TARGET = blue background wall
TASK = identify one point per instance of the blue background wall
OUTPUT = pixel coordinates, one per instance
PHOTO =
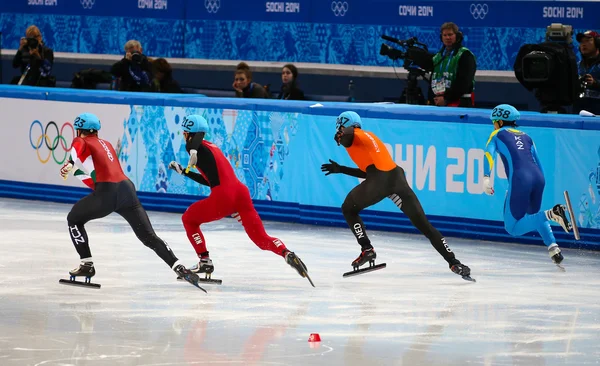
(322, 31)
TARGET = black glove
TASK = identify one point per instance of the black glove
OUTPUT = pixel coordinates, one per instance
(331, 168)
(176, 167)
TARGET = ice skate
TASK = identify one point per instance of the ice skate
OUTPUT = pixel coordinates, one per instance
(296, 263)
(463, 271)
(85, 269)
(555, 255)
(205, 265)
(558, 214)
(367, 255)
(188, 275)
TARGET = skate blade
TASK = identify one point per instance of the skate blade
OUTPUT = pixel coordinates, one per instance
(79, 283)
(469, 278)
(364, 270)
(560, 267)
(572, 216)
(206, 280)
(309, 280)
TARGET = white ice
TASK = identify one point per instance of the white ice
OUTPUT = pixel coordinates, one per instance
(521, 311)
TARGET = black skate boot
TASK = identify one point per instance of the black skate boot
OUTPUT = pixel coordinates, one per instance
(558, 214)
(462, 270)
(367, 255)
(555, 254)
(296, 263)
(85, 269)
(188, 275)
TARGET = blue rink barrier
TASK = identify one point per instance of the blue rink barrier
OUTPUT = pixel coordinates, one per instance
(276, 148)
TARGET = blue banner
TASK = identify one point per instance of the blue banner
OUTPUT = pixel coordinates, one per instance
(278, 155)
(270, 11)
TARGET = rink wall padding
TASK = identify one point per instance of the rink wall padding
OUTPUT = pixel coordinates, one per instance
(277, 147)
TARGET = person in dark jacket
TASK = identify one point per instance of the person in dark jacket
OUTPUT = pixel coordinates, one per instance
(34, 59)
(134, 71)
(163, 81)
(289, 86)
(243, 85)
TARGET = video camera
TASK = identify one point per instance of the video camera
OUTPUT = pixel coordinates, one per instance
(417, 61)
(550, 68)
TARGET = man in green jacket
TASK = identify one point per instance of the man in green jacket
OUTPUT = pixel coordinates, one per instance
(453, 78)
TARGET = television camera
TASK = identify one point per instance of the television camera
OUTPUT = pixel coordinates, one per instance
(549, 69)
(417, 61)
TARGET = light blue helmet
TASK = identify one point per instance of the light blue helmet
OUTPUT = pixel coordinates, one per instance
(348, 119)
(87, 121)
(194, 123)
(505, 112)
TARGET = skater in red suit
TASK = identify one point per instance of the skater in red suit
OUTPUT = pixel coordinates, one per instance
(112, 192)
(228, 197)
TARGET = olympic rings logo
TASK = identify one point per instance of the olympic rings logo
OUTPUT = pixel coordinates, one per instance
(339, 8)
(50, 138)
(87, 4)
(479, 11)
(212, 6)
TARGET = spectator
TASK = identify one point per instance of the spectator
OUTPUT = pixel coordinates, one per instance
(589, 72)
(453, 78)
(163, 81)
(34, 59)
(243, 85)
(134, 70)
(289, 88)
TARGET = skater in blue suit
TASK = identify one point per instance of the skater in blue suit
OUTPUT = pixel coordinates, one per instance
(525, 181)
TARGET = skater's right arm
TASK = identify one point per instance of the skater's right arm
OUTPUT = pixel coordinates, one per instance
(192, 175)
(333, 168)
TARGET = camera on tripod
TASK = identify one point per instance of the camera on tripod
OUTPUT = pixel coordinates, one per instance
(417, 61)
(550, 68)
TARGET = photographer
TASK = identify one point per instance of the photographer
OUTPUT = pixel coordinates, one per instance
(134, 70)
(34, 59)
(453, 77)
(589, 72)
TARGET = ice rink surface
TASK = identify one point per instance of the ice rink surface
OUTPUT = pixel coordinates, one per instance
(521, 311)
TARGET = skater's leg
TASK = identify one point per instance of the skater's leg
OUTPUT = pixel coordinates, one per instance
(246, 214)
(130, 208)
(411, 206)
(366, 194)
(522, 208)
(214, 207)
(97, 204)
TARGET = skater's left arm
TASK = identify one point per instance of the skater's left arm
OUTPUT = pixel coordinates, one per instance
(490, 154)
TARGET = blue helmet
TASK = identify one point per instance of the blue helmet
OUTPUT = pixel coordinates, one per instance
(348, 119)
(87, 121)
(194, 123)
(505, 112)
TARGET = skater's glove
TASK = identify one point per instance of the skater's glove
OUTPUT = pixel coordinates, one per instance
(331, 168)
(176, 167)
(487, 186)
(193, 160)
(66, 169)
